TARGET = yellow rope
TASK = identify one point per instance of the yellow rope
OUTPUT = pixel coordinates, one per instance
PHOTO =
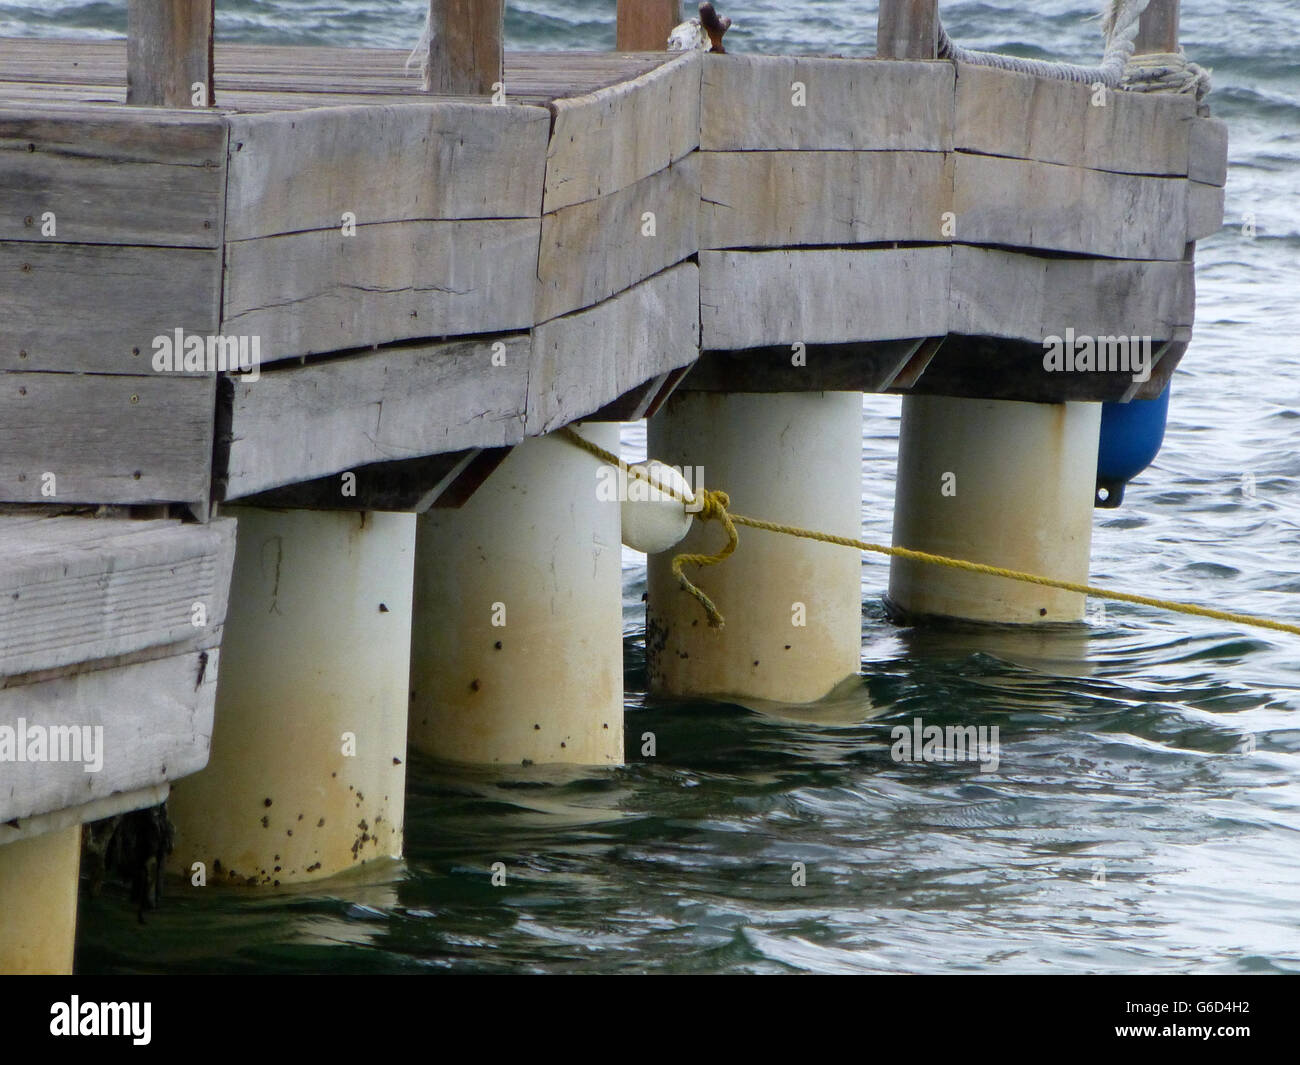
(715, 506)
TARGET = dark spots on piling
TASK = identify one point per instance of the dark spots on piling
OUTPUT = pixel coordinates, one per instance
(537, 728)
(300, 817)
(362, 825)
(266, 821)
(288, 831)
(275, 883)
(320, 823)
(396, 760)
(1042, 611)
(604, 724)
(216, 866)
(383, 609)
(333, 774)
(277, 869)
(266, 802)
(474, 685)
(313, 868)
(756, 661)
(526, 762)
(563, 744)
(497, 645)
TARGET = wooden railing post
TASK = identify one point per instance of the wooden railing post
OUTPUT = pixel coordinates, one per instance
(169, 53)
(645, 25)
(467, 50)
(908, 29)
(1158, 28)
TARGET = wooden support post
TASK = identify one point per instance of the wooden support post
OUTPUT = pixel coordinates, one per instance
(645, 25)
(466, 50)
(908, 29)
(1158, 27)
(169, 53)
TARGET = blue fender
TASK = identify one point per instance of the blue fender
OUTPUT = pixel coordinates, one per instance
(1131, 435)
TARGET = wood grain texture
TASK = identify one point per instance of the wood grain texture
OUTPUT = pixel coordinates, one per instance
(1044, 206)
(76, 589)
(321, 291)
(1158, 27)
(610, 139)
(106, 438)
(1022, 297)
(586, 360)
(775, 199)
(907, 29)
(1204, 210)
(169, 52)
(97, 308)
(1001, 112)
(157, 720)
(1208, 151)
(750, 103)
(466, 49)
(822, 296)
(304, 422)
(110, 178)
(591, 250)
(297, 171)
(645, 25)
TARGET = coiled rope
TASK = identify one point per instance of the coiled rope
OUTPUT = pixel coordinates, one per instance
(1119, 69)
(715, 506)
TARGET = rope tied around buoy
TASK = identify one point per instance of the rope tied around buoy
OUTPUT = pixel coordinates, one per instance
(715, 505)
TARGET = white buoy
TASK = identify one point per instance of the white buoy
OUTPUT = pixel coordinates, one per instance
(793, 607)
(517, 646)
(38, 903)
(307, 775)
(1004, 483)
(656, 508)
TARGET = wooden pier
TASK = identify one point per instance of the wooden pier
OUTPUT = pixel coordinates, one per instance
(427, 282)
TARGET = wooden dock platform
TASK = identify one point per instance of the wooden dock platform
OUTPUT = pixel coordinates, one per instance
(430, 279)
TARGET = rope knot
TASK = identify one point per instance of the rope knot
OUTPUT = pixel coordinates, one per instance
(713, 505)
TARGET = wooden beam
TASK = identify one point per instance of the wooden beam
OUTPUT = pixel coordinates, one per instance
(466, 47)
(169, 53)
(908, 29)
(1158, 27)
(645, 25)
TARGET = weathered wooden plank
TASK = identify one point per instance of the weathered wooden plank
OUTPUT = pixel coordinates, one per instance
(783, 199)
(754, 103)
(908, 29)
(610, 139)
(1207, 159)
(584, 361)
(112, 178)
(301, 171)
(1046, 206)
(321, 291)
(591, 250)
(156, 717)
(466, 46)
(1204, 210)
(304, 422)
(815, 296)
(105, 438)
(98, 308)
(1006, 294)
(80, 589)
(1001, 112)
(645, 25)
(169, 53)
